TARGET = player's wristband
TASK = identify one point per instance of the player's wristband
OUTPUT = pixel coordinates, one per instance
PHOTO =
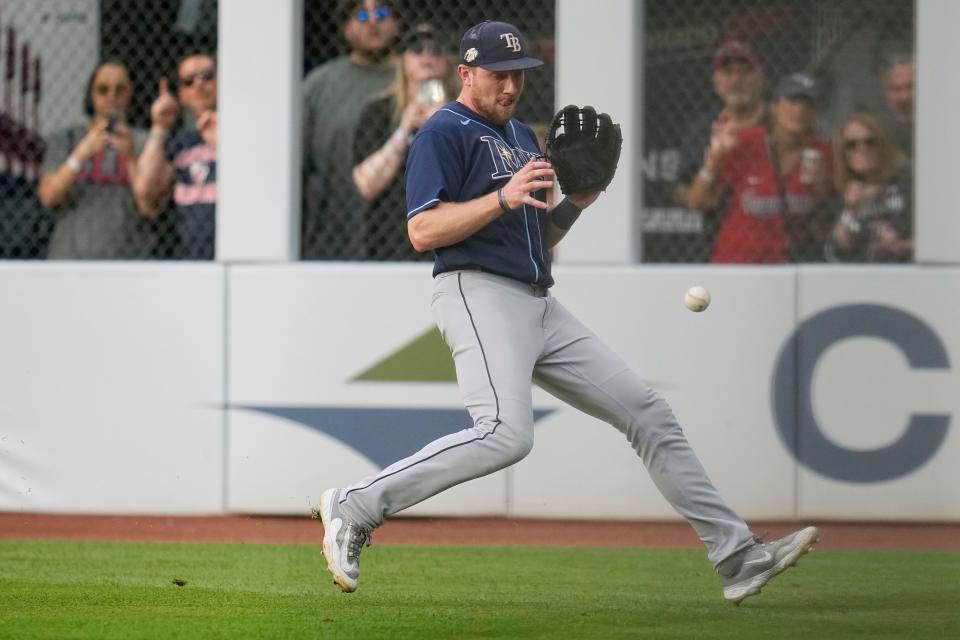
(502, 199)
(706, 175)
(565, 214)
(73, 164)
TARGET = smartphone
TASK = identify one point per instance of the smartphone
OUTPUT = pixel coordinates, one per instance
(113, 118)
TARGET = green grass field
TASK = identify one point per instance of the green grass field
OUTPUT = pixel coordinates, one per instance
(126, 590)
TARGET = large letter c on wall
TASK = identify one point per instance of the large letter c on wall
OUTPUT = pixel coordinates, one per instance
(793, 402)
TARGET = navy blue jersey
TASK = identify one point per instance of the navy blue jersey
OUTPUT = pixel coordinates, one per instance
(459, 155)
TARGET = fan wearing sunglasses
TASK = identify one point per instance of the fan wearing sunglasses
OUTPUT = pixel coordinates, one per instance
(88, 173)
(875, 219)
(187, 160)
(334, 95)
(424, 80)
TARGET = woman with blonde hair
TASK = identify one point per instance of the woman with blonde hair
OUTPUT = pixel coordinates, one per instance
(873, 180)
(424, 81)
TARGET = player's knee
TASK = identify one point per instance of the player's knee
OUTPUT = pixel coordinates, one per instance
(519, 445)
(649, 418)
(511, 440)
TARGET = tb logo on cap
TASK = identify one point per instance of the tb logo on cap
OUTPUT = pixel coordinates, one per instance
(513, 42)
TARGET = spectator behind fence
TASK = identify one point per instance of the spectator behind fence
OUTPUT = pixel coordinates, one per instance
(423, 81)
(874, 180)
(777, 178)
(334, 94)
(188, 160)
(739, 81)
(88, 175)
(898, 91)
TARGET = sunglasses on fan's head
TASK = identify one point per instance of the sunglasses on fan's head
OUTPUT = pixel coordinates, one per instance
(190, 78)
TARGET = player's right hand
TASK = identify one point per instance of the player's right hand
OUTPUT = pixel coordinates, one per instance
(534, 176)
(164, 110)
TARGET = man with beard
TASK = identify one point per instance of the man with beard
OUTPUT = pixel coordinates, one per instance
(334, 95)
(738, 80)
(477, 191)
(899, 96)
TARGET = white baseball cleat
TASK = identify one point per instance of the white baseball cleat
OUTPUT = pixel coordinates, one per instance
(342, 542)
(747, 571)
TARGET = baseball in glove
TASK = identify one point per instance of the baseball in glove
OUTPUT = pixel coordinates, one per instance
(585, 154)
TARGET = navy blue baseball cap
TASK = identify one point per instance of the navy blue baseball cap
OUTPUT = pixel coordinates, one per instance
(796, 85)
(496, 46)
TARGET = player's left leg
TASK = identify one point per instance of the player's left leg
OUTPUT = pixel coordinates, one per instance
(583, 372)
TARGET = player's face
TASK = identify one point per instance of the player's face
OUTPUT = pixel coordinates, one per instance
(372, 28)
(861, 148)
(738, 83)
(899, 90)
(794, 115)
(197, 84)
(493, 94)
(111, 90)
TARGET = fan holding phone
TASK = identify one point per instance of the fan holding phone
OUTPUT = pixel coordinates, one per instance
(88, 176)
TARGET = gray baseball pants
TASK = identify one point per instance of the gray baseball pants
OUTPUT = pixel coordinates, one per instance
(504, 334)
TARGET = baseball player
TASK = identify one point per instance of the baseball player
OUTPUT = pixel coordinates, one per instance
(476, 193)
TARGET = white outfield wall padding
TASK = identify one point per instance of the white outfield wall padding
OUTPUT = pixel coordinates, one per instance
(866, 389)
(299, 420)
(112, 379)
(178, 388)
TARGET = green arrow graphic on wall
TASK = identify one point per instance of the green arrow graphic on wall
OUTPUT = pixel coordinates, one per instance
(425, 359)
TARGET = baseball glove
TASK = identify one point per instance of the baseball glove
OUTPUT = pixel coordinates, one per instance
(585, 155)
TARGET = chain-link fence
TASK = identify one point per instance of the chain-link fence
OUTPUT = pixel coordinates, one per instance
(839, 189)
(374, 72)
(78, 81)
(745, 162)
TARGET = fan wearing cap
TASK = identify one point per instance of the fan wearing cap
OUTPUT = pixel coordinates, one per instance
(739, 81)
(477, 196)
(423, 81)
(776, 179)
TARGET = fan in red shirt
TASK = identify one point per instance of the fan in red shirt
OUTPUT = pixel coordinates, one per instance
(777, 178)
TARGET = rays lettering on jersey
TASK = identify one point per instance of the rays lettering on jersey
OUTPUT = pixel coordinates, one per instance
(506, 160)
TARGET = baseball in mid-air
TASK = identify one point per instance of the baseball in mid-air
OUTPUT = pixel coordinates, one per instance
(697, 298)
